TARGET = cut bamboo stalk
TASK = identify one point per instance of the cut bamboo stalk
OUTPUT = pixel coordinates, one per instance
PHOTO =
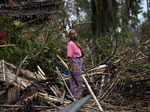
(58, 72)
(4, 75)
(52, 88)
(92, 93)
(63, 96)
(98, 68)
(102, 84)
(62, 61)
(50, 98)
(23, 84)
(42, 73)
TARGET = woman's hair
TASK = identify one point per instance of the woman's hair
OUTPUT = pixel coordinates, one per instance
(69, 34)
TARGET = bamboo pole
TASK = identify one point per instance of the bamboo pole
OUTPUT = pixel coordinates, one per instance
(4, 70)
(92, 93)
(58, 72)
(43, 77)
(62, 61)
(41, 71)
(98, 68)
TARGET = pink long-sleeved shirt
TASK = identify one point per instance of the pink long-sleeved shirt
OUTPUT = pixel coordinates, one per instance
(73, 50)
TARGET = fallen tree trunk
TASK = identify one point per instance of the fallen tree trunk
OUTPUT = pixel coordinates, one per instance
(24, 73)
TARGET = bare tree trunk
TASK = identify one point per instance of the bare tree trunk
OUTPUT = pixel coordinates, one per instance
(148, 3)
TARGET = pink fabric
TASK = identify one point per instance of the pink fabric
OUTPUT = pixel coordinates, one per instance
(73, 50)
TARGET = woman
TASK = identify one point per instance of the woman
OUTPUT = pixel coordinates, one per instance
(74, 54)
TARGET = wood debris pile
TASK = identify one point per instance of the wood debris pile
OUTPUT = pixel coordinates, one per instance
(24, 91)
(27, 89)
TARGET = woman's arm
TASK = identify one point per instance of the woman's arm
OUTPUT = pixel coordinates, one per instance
(70, 63)
(80, 50)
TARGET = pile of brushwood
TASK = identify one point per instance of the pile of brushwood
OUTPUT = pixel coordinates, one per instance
(118, 86)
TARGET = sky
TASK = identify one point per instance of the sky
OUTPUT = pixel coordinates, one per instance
(144, 6)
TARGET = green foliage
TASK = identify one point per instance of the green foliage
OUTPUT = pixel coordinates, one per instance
(41, 47)
(147, 66)
(145, 31)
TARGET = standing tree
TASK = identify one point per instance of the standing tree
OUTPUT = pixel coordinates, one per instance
(129, 13)
(103, 16)
(148, 9)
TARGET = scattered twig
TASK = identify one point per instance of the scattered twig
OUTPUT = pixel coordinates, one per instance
(9, 45)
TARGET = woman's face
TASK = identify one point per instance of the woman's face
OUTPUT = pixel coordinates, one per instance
(73, 35)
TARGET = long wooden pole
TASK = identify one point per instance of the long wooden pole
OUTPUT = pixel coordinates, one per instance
(58, 72)
(92, 93)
